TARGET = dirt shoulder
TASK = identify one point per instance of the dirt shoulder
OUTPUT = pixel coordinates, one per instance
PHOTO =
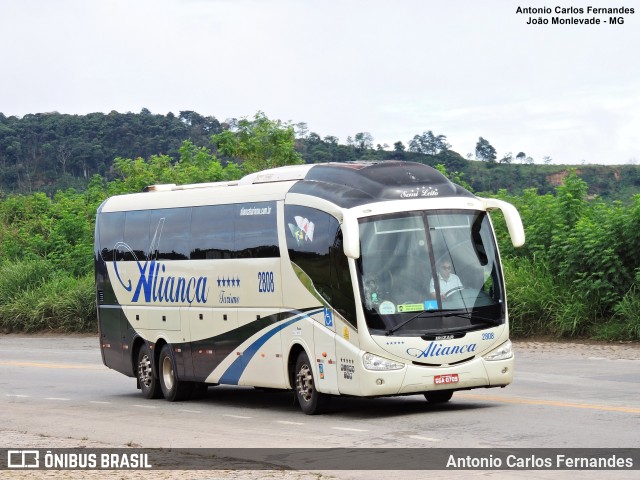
(581, 348)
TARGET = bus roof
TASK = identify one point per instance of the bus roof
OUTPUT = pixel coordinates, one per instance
(345, 184)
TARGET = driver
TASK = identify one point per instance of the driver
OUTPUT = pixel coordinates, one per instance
(448, 281)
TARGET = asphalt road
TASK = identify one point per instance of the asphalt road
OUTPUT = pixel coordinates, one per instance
(564, 395)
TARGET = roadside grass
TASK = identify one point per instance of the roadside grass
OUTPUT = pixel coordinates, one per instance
(18, 277)
(625, 324)
(542, 305)
(35, 298)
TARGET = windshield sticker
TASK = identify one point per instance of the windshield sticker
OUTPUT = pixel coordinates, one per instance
(387, 308)
(411, 307)
(430, 305)
(302, 231)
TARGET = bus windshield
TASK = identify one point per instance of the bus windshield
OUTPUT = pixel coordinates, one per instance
(429, 272)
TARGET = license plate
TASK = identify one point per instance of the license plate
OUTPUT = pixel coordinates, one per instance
(443, 379)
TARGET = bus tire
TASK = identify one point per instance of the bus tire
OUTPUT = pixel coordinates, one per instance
(173, 389)
(311, 401)
(147, 378)
(438, 396)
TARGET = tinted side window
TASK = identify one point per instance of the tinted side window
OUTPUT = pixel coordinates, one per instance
(308, 243)
(111, 232)
(169, 232)
(256, 230)
(212, 232)
(136, 235)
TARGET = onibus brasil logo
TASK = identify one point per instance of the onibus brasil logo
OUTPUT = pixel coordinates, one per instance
(154, 284)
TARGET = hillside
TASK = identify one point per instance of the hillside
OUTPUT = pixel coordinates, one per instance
(51, 151)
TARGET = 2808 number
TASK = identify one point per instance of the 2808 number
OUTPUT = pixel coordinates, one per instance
(265, 282)
(488, 336)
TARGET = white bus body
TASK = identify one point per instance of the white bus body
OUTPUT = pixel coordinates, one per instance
(323, 279)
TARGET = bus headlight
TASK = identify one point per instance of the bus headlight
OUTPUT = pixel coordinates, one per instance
(374, 362)
(503, 352)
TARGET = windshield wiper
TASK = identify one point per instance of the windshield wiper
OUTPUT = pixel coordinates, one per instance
(472, 316)
(441, 313)
(410, 319)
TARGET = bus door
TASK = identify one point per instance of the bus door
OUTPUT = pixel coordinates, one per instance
(324, 338)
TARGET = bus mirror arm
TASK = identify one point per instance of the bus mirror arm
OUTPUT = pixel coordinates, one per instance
(511, 217)
(351, 236)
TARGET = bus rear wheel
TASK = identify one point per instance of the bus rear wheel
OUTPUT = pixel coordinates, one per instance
(173, 389)
(310, 399)
(147, 379)
(439, 396)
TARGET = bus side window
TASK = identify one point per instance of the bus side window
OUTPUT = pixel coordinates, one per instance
(308, 242)
(170, 228)
(136, 235)
(256, 230)
(111, 232)
(212, 232)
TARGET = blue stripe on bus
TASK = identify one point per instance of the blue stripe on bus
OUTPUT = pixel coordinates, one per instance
(232, 375)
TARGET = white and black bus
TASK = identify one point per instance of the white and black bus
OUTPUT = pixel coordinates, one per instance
(366, 279)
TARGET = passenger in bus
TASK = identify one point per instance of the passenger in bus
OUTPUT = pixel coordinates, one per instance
(449, 282)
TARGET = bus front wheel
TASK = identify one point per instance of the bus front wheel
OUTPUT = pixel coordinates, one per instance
(310, 399)
(147, 379)
(173, 389)
(439, 396)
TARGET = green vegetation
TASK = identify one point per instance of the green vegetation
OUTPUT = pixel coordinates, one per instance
(260, 144)
(48, 152)
(577, 276)
(579, 272)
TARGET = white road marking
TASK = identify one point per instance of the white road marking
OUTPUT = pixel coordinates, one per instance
(428, 439)
(18, 395)
(190, 411)
(289, 423)
(99, 402)
(349, 429)
(58, 398)
(144, 406)
(236, 416)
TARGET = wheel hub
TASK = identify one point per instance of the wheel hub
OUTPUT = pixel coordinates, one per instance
(167, 373)
(305, 383)
(145, 373)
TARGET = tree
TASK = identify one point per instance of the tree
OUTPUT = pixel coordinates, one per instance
(330, 139)
(302, 129)
(399, 147)
(521, 156)
(363, 141)
(428, 143)
(485, 151)
(260, 143)
(508, 158)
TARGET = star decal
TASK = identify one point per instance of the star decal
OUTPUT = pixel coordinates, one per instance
(228, 281)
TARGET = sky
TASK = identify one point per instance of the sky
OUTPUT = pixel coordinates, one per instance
(461, 68)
